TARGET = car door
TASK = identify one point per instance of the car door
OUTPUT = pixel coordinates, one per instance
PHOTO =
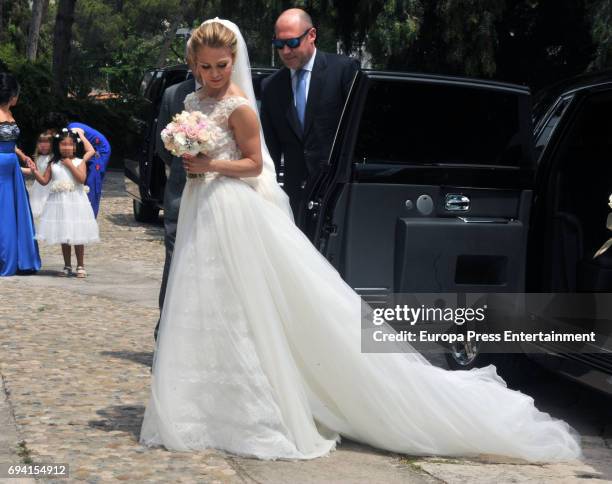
(428, 186)
(149, 85)
(571, 222)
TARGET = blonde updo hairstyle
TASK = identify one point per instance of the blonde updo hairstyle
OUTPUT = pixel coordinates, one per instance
(210, 34)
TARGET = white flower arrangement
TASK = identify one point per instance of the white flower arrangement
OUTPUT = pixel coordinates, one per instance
(77, 138)
(190, 133)
(62, 186)
(66, 186)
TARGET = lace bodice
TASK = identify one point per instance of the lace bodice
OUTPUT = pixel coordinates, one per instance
(218, 113)
(9, 131)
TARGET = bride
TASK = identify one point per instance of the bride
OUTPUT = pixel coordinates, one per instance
(258, 352)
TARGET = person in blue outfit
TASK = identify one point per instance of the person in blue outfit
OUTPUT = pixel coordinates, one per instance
(96, 168)
(18, 247)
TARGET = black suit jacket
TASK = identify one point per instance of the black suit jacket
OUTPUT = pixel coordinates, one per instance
(305, 150)
(171, 104)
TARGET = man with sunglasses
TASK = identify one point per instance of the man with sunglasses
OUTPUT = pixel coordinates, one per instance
(301, 104)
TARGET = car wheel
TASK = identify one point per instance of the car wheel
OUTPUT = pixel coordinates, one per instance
(145, 212)
(464, 356)
(512, 367)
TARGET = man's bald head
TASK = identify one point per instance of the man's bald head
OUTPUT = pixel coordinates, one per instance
(294, 16)
(291, 24)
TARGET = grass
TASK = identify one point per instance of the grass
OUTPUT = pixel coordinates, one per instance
(24, 453)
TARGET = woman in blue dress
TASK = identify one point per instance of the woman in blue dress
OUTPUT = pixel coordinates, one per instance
(18, 248)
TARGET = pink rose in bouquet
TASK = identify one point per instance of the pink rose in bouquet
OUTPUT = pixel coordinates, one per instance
(190, 132)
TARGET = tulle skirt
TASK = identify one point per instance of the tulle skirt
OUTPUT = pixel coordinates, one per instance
(67, 218)
(259, 354)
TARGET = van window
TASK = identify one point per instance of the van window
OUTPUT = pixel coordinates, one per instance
(424, 123)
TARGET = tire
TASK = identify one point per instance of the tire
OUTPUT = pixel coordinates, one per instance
(512, 367)
(145, 212)
(465, 356)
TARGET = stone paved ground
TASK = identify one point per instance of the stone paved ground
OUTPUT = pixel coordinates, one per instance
(74, 362)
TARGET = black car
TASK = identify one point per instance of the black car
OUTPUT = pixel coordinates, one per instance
(454, 185)
(440, 184)
(146, 175)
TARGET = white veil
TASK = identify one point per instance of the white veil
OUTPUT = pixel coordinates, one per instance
(265, 184)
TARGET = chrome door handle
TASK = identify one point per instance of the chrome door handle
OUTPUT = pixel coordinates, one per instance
(456, 203)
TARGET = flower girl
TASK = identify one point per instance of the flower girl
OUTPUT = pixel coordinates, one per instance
(42, 155)
(67, 217)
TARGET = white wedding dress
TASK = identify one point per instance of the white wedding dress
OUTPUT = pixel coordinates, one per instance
(67, 216)
(259, 350)
(39, 193)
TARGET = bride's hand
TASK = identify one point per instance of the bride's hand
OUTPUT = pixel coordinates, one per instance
(196, 164)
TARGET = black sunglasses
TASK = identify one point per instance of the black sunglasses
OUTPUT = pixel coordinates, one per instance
(291, 43)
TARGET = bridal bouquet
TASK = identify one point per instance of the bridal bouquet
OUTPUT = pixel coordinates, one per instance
(190, 132)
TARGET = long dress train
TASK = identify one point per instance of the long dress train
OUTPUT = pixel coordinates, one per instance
(258, 352)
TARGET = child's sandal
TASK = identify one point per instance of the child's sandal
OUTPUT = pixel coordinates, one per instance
(81, 272)
(66, 272)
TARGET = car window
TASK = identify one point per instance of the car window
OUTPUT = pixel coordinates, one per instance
(174, 77)
(421, 123)
(546, 129)
(145, 82)
(590, 133)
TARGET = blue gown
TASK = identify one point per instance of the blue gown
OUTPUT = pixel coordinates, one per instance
(18, 248)
(96, 167)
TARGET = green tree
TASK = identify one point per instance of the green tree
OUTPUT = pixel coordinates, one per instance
(38, 8)
(15, 19)
(601, 31)
(543, 41)
(394, 33)
(469, 35)
(62, 37)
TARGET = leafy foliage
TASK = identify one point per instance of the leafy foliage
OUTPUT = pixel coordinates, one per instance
(395, 31)
(534, 42)
(601, 13)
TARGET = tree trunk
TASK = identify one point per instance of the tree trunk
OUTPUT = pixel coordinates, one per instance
(1, 20)
(174, 24)
(34, 34)
(62, 35)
